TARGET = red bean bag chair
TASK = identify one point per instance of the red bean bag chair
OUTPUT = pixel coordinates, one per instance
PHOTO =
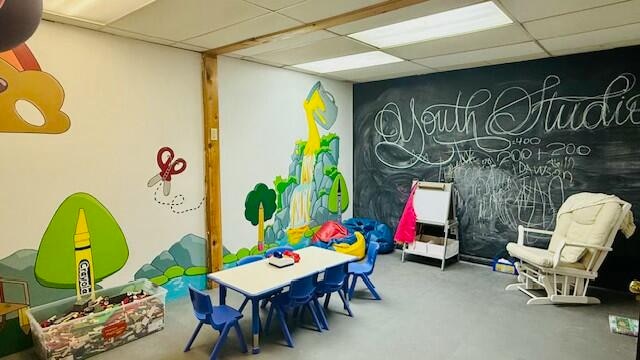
(330, 230)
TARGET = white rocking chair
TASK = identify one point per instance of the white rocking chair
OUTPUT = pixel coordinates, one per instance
(586, 226)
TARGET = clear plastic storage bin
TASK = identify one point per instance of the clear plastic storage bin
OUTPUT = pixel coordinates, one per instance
(98, 332)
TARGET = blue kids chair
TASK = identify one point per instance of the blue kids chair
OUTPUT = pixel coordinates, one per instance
(363, 269)
(335, 280)
(301, 294)
(221, 318)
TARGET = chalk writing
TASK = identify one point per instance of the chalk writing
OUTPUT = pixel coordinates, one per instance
(489, 143)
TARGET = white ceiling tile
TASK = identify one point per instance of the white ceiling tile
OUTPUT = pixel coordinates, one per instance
(386, 71)
(593, 19)
(189, 47)
(288, 43)
(394, 76)
(262, 61)
(275, 4)
(70, 21)
(260, 25)
(188, 18)
(101, 12)
(483, 55)
(463, 66)
(313, 10)
(136, 36)
(513, 59)
(406, 13)
(323, 49)
(527, 10)
(326, 76)
(594, 40)
(504, 35)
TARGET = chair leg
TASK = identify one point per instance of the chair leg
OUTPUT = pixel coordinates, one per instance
(244, 303)
(298, 313)
(352, 288)
(321, 314)
(345, 302)
(193, 337)
(220, 342)
(267, 325)
(372, 288)
(284, 327)
(327, 297)
(314, 315)
(243, 344)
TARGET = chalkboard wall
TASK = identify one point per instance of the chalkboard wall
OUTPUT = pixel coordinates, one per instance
(517, 139)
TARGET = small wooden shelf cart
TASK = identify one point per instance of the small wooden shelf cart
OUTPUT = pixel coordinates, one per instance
(434, 205)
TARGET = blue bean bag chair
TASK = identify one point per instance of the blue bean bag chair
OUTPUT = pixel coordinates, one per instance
(373, 231)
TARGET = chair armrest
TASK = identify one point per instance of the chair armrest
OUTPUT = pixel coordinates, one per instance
(563, 244)
(522, 230)
(587, 246)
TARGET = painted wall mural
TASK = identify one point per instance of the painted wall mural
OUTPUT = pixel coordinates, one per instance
(312, 193)
(72, 243)
(183, 264)
(24, 85)
(169, 166)
(81, 235)
(82, 245)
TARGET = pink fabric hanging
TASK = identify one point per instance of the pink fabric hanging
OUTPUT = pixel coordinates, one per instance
(406, 230)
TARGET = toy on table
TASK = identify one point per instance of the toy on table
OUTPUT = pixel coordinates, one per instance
(168, 166)
(284, 259)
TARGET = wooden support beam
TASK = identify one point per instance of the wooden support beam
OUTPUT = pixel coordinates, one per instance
(323, 24)
(212, 163)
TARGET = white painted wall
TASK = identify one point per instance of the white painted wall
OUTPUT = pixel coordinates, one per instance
(126, 99)
(261, 117)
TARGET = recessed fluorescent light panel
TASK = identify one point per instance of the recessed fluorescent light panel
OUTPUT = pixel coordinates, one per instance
(96, 11)
(349, 62)
(463, 20)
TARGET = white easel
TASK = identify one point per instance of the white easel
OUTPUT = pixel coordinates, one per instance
(434, 205)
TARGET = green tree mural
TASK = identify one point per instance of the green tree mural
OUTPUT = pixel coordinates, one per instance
(56, 262)
(259, 206)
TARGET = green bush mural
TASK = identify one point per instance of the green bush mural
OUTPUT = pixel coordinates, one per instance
(56, 261)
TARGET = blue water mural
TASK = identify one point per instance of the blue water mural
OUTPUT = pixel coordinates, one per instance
(178, 287)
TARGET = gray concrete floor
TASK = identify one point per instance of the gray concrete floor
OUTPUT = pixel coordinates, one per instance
(461, 313)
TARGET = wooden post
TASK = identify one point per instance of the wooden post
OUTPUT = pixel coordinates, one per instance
(212, 163)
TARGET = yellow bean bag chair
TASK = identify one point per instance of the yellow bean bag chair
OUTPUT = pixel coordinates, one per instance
(357, 249)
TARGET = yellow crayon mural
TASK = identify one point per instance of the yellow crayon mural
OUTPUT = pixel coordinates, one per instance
(85, 282)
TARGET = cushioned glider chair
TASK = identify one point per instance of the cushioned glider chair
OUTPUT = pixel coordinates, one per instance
(586, 226)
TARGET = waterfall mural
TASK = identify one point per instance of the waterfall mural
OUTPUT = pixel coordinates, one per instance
(314, 190)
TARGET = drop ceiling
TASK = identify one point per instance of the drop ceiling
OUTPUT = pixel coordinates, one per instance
(540, 28)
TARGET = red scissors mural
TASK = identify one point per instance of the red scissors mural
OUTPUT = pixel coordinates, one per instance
(169, 166)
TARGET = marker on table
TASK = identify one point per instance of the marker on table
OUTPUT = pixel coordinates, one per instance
(84, 260)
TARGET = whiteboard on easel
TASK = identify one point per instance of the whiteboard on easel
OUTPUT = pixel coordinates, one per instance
(432, 202)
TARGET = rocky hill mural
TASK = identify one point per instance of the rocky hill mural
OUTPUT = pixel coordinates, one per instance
(312, 192)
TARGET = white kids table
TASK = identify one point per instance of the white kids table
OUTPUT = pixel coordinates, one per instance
(258, 279)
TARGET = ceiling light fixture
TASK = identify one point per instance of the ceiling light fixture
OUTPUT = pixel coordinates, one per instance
(349, 62)
(459, 21)
(100, 12)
